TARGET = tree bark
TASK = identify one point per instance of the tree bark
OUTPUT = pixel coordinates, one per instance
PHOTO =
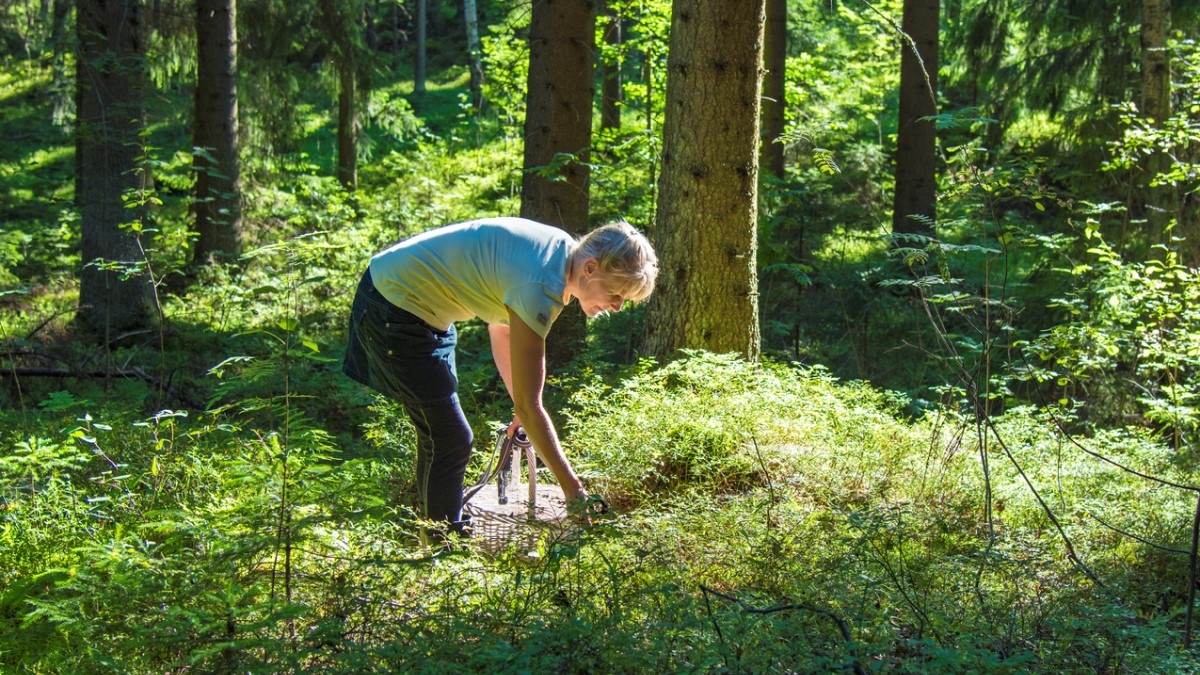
(707, 291)
(1159, 204)
(915, 201)
(610, 71)
(218, 208)
(475, 52)
(422, 27)
(1156, 64)
(774, 92)
(347, 126)
(341, 21)
(108, 164)
(558, 136)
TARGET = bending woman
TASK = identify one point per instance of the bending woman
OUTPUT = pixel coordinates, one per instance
(516, 275)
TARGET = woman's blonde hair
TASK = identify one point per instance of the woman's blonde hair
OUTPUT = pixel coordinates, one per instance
(625, 258)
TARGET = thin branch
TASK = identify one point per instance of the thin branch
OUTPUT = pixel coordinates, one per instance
(1135, 537)
(841, 624)
(770, 485)
(1046, 508)
(1187, 624)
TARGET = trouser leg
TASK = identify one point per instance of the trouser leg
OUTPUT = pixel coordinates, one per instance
(401, 356)
(444, 441)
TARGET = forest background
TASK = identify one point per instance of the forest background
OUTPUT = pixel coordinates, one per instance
(961, 434)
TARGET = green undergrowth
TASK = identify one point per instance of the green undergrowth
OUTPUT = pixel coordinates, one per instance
(226, 501)
(764, 518)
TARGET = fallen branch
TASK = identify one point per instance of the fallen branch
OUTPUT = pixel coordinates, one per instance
(132, 373)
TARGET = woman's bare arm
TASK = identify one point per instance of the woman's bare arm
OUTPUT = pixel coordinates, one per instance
(527, 365)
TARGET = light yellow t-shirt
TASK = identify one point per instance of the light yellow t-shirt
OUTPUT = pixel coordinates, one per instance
(478, 268)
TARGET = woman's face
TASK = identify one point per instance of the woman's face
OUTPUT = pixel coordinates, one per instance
(596, 295)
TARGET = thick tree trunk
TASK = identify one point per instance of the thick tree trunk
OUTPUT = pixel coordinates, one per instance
(109, 84)
(558, 125)
(707, 291)
(915, 200)
(610, 72)
(774, 91)
(218, 208)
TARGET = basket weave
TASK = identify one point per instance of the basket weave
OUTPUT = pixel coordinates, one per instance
(496, 527)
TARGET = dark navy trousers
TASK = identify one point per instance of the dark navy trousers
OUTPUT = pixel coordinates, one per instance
(402, 357)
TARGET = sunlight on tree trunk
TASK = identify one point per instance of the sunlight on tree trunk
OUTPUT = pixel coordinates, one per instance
(1158, 203)
(610, 71)
(707, 291)
(1156, 66)
(422, 27)
(474, 52)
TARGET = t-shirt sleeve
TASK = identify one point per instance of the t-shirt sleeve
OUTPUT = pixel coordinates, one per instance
(537, 308)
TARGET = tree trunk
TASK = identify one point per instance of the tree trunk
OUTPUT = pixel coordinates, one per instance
(62, 105)
(347, 126)
(1156, 64)
(218, 207)
(774, 91)
(1158, 203)
(707, 291)
(370, 31)
(109, 83)
(422, 26)
(558, 135)
(475, 52)
(341, 21)
(914, 204)
(610, 71)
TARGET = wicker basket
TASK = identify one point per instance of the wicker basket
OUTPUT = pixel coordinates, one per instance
(496, 527)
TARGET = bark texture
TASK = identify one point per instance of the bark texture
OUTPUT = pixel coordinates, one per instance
(218, 208)
(707, 291)
(558, 136)
(916, 138)
(610, 71)
(774, 90)
(109, 105)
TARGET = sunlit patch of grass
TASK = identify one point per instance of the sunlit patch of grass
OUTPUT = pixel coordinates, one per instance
(17, 80)
(455, 77)
(851, 247)
(1033, 128)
